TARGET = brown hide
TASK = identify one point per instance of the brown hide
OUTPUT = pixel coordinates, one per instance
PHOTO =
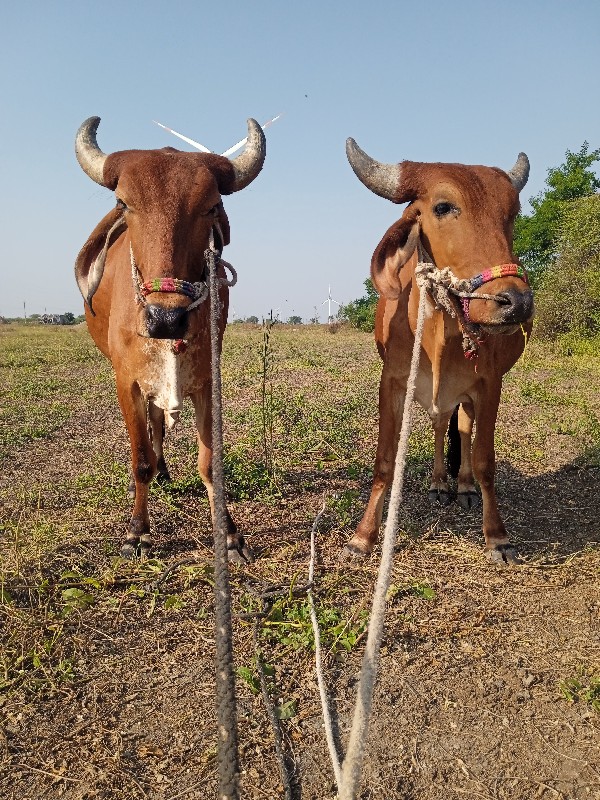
(168, 202)
(461, 217)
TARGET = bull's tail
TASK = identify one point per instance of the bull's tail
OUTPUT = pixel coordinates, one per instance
(453, 454)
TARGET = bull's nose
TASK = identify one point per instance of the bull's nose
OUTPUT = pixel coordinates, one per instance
(165, 323)
(516, 306)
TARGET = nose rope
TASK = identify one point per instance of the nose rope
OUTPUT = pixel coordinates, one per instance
(491, 274)
(441, 283)
(197, 292)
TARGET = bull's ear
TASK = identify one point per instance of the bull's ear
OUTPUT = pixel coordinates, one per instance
(224, 224)
(392, 253)
(89, 264)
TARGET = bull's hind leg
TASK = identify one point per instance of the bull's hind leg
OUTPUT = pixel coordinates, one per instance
(439, 491)
(392, 392)
(143, 464)
(237, 548)
(497, 545)
(467, 496)
(157, 435)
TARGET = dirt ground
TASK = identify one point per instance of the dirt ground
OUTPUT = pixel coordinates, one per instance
(489, 683)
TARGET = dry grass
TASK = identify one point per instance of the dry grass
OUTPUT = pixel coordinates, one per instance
(487, 676)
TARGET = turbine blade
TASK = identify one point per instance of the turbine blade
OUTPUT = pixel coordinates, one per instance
(197, 145)
(241, 143)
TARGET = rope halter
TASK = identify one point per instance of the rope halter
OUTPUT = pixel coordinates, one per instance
(197, 292)
(441, 283)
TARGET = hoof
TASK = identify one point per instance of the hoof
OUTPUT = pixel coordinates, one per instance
(136, 548)
(503, 554)
(354, 550)
(468, 500)
(163, 477)
(129, 550)
(238, 551)
(439, 497)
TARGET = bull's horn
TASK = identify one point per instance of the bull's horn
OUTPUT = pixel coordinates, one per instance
(91, 158)
(520, 172)
(383, 179)
(247, 165)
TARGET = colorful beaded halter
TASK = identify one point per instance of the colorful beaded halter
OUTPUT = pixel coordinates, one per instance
(491, 274)
(172, 285)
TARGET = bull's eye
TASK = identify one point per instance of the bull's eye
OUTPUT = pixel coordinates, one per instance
(121, 205)
(441, 209)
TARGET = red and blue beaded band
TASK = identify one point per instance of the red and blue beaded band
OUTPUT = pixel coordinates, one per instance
(169, 285)
(501, 271)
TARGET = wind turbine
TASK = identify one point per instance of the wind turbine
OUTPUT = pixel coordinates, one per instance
(329, 301)
(204, 149)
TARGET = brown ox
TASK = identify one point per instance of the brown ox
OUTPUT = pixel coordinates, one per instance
(459, 217)
(168, 202)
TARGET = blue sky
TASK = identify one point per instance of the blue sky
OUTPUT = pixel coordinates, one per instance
(471, 82)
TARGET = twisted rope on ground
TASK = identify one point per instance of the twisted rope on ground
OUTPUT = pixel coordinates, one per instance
(227, 756)
(333, 754)
(352, 767)
(275, 725)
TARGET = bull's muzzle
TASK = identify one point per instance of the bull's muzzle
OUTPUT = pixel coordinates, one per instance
(166, 323)
(517, 306)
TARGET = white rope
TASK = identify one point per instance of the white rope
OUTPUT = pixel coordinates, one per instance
(352, 767)
(333, 754)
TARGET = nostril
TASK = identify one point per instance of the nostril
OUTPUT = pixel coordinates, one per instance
(516, 306)
(165, 323)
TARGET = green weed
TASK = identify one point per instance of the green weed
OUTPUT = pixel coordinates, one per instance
(288, 624)
(582, 689)
(246, 478)
(417, 589)
(345, 505)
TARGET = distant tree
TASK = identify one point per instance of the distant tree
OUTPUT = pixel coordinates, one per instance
(68, 318)
(361, 313)
(536, 234)
(314, 320)
(238, 320)
(295, 320)
(253, 320)
(568, 299)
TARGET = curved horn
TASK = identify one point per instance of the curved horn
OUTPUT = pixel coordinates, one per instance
(91, 158)
(520, 172)
(247, 165)
(383, 179)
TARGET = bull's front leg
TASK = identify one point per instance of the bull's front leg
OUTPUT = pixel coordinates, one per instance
(157, 435)
(237, 549)
(497, 545)
(156, 431)
(392, 392)
(143, 465)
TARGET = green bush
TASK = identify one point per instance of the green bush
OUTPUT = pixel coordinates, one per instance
(537, 235)
(568, 299)
(361, 313)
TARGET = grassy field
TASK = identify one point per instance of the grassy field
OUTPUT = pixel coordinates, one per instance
(489, 684)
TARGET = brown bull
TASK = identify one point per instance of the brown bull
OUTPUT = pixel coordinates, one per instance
(461, 218)
(143, 275)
